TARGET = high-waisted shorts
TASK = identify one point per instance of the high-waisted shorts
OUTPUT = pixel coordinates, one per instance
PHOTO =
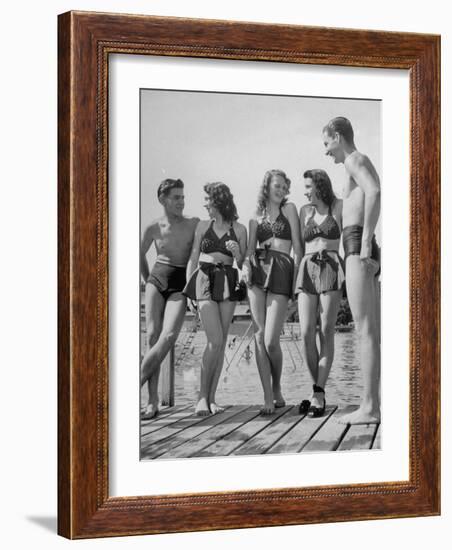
(352, 237)
(320, 272)
(272, 271)
(168, 279)
(215, 282)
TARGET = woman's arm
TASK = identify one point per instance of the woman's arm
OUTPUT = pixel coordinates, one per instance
(251, 248)
(242, 245)
(337, 211)
(252, 238)
(195, 250)
(302, 218)
(294, 221)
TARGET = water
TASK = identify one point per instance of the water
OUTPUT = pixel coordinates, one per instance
(240, 383)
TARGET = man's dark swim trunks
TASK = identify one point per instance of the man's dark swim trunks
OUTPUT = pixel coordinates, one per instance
(168, 279)
(352, 237)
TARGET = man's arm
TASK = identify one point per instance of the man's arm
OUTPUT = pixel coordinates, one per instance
(146, 242)
(361, 171)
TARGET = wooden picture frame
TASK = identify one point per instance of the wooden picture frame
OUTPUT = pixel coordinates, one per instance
(85, 42)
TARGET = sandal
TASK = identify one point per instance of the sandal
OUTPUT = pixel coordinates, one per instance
(303, 408)
(316, 412)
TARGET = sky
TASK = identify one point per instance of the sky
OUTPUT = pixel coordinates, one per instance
(202, 137)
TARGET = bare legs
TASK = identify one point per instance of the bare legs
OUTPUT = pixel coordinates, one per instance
(318, 361)
(216, 318)
(274, 321)
(154, 309)
(307, 310)
(226, 314)
(163, 320)
(362, 291)
(268, 311)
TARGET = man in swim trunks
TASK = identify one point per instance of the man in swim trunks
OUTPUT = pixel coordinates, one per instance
(172, 235)
(361, 209)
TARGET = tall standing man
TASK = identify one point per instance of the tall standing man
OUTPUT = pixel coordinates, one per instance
(172, 235)
(361, 210)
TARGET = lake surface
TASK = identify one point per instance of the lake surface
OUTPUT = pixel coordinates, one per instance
(240, 382)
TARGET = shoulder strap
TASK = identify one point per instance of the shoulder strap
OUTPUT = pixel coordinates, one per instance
(209, 227)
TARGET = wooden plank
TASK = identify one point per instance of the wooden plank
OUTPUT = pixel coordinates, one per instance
(301, 433)
(377, 440)
(163, 411)
(162, 420)
(358, 437)
(197, 444)
(171, 430)
(235, 439)
(155, 450)
(260, 443)
(330, 434)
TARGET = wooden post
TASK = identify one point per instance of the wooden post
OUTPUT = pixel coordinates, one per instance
(167, 377)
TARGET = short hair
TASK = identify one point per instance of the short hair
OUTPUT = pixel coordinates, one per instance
(322, 183)
(263, 195)
(166, 186)
(222, 199)
(342, 126)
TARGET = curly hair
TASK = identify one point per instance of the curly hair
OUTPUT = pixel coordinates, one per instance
(263, 195)
(222, 199)
(166, 186)
(342, 126)
(322, 184)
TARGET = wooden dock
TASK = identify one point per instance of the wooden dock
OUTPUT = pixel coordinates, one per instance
(241, 430)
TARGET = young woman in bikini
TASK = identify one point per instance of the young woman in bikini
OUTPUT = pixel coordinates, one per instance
(213, 283)
(269, 272)
(319, 283)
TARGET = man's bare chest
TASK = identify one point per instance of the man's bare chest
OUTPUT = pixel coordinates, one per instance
(174, 234)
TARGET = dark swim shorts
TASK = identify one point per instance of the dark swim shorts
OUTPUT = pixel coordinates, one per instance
(217, 282)
(352, 237)
(272, 271)
(320, 272)
(168, 279)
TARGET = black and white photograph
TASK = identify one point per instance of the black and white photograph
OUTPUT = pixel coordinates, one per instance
(260, 274)
(225, 231)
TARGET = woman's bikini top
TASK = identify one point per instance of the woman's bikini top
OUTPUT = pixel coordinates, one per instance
(211, 242)
(280, 229)
(328, 229)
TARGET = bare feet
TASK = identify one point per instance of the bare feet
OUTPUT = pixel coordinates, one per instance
(267, 409)
(278, 399)
(360, 416)
(215, 409)
(151, 411)
(202, 408)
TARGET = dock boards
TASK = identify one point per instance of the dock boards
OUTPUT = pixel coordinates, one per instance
(242, 431)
